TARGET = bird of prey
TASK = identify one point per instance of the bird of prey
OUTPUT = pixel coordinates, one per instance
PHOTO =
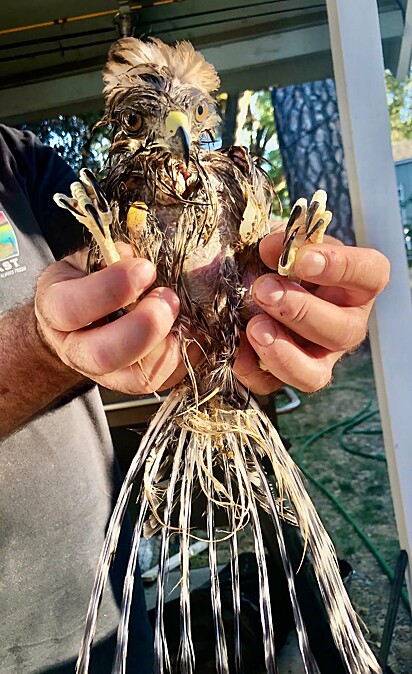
(199, 214)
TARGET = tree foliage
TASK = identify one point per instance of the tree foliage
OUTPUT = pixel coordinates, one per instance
(399, 96)
(260, 137)
(75, 139)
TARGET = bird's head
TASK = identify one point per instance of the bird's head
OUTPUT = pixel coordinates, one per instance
(159, 101)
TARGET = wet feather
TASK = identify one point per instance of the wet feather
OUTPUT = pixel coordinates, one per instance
(203, 221)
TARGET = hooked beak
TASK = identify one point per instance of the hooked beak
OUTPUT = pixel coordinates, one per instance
(177, 133)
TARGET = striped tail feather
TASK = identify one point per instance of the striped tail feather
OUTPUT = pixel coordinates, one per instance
(215, 450)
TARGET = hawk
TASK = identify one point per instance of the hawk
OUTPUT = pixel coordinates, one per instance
(198, 214)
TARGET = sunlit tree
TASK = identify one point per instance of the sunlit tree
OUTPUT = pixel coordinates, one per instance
(75, 139)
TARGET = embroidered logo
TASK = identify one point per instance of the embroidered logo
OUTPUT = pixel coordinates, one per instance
(9, 249)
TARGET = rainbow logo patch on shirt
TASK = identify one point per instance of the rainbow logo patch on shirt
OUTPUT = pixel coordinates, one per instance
(8, 242)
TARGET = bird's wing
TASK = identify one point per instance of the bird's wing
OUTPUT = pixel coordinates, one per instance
(248, 187)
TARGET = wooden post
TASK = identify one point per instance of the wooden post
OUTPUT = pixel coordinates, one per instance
(359, 73)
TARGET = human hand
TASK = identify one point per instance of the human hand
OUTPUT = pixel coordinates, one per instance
(307, 328)
(135, 354)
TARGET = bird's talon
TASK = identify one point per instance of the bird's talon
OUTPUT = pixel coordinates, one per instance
(295, 213)
(95, 191)
(306, 225)
(89, 206)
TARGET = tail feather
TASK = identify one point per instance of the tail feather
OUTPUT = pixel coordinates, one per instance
(234, 570)
(162, 659)
(156, 428)
(186, 651)
(307, 657)
(218, 450)
(222, 665)
(344, 624)
(264, 592)
(119, 666)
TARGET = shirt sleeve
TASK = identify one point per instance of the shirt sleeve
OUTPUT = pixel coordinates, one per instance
(46, 173)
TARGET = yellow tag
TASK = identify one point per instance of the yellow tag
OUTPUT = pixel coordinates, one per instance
(136, 218)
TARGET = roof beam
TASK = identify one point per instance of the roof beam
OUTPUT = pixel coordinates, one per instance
(82, 91)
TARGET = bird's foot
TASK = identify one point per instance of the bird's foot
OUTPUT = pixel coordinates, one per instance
(306, 225)
(89, 206)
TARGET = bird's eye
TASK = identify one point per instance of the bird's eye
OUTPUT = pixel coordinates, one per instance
(201, 112)
(132, 121)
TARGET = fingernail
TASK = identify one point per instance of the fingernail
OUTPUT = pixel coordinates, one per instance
(166, 295)
(264, 333)
(143, 273)
(310, 264)
(268, 291)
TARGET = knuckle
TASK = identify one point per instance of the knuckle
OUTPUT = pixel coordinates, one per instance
(43, 306)
(381, 263)
(285, 358)
(266, 385)
(358, 335)
(299, 313)
(70, 353)
(92, 359)
(118, 289)
(102, 360)
(159, 322)
(319, 382)
(346, 270)
(141, 379)
(69, 316)
(351, 334)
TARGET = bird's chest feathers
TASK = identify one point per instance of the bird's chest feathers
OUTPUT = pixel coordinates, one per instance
(203, 258)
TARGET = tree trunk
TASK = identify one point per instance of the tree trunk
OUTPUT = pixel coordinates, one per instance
(230, 119)
(310, 142)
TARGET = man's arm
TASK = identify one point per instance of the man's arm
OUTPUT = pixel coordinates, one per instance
(63, 338)
(31, 376)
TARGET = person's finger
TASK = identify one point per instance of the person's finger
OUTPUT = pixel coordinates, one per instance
(102, 349)
(312, 318)
(363, 272)
(66, 303)
(161, 369)
(125, 250)
(148, 374)
(78, 260)
(195, 354)
(271, 248)
(250, 374)
(308, 369)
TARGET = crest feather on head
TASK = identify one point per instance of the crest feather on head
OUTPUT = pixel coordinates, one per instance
(130, 58)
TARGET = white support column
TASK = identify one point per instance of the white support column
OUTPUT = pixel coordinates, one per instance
(359, 73)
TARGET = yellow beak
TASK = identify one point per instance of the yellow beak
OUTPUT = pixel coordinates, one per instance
(178, 133)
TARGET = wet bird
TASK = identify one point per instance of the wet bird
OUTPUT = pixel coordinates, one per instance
(198, 215)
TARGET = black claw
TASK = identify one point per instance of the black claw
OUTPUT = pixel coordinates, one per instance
(314, 229)
(66, 204)
(91, 209)
(285, 254)
(296, 211)
(311, 214)
(97, 189)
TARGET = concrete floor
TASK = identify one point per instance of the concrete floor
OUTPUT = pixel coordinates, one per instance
(289, 658)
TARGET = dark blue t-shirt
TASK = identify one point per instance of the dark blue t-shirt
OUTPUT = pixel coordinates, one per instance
(58, 474)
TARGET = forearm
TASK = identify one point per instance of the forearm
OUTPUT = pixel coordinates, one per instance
(31, 377)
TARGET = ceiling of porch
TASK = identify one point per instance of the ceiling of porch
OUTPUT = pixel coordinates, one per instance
(51, 54)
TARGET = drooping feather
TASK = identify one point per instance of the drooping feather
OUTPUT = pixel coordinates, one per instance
(181, 65)
(202, 222)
